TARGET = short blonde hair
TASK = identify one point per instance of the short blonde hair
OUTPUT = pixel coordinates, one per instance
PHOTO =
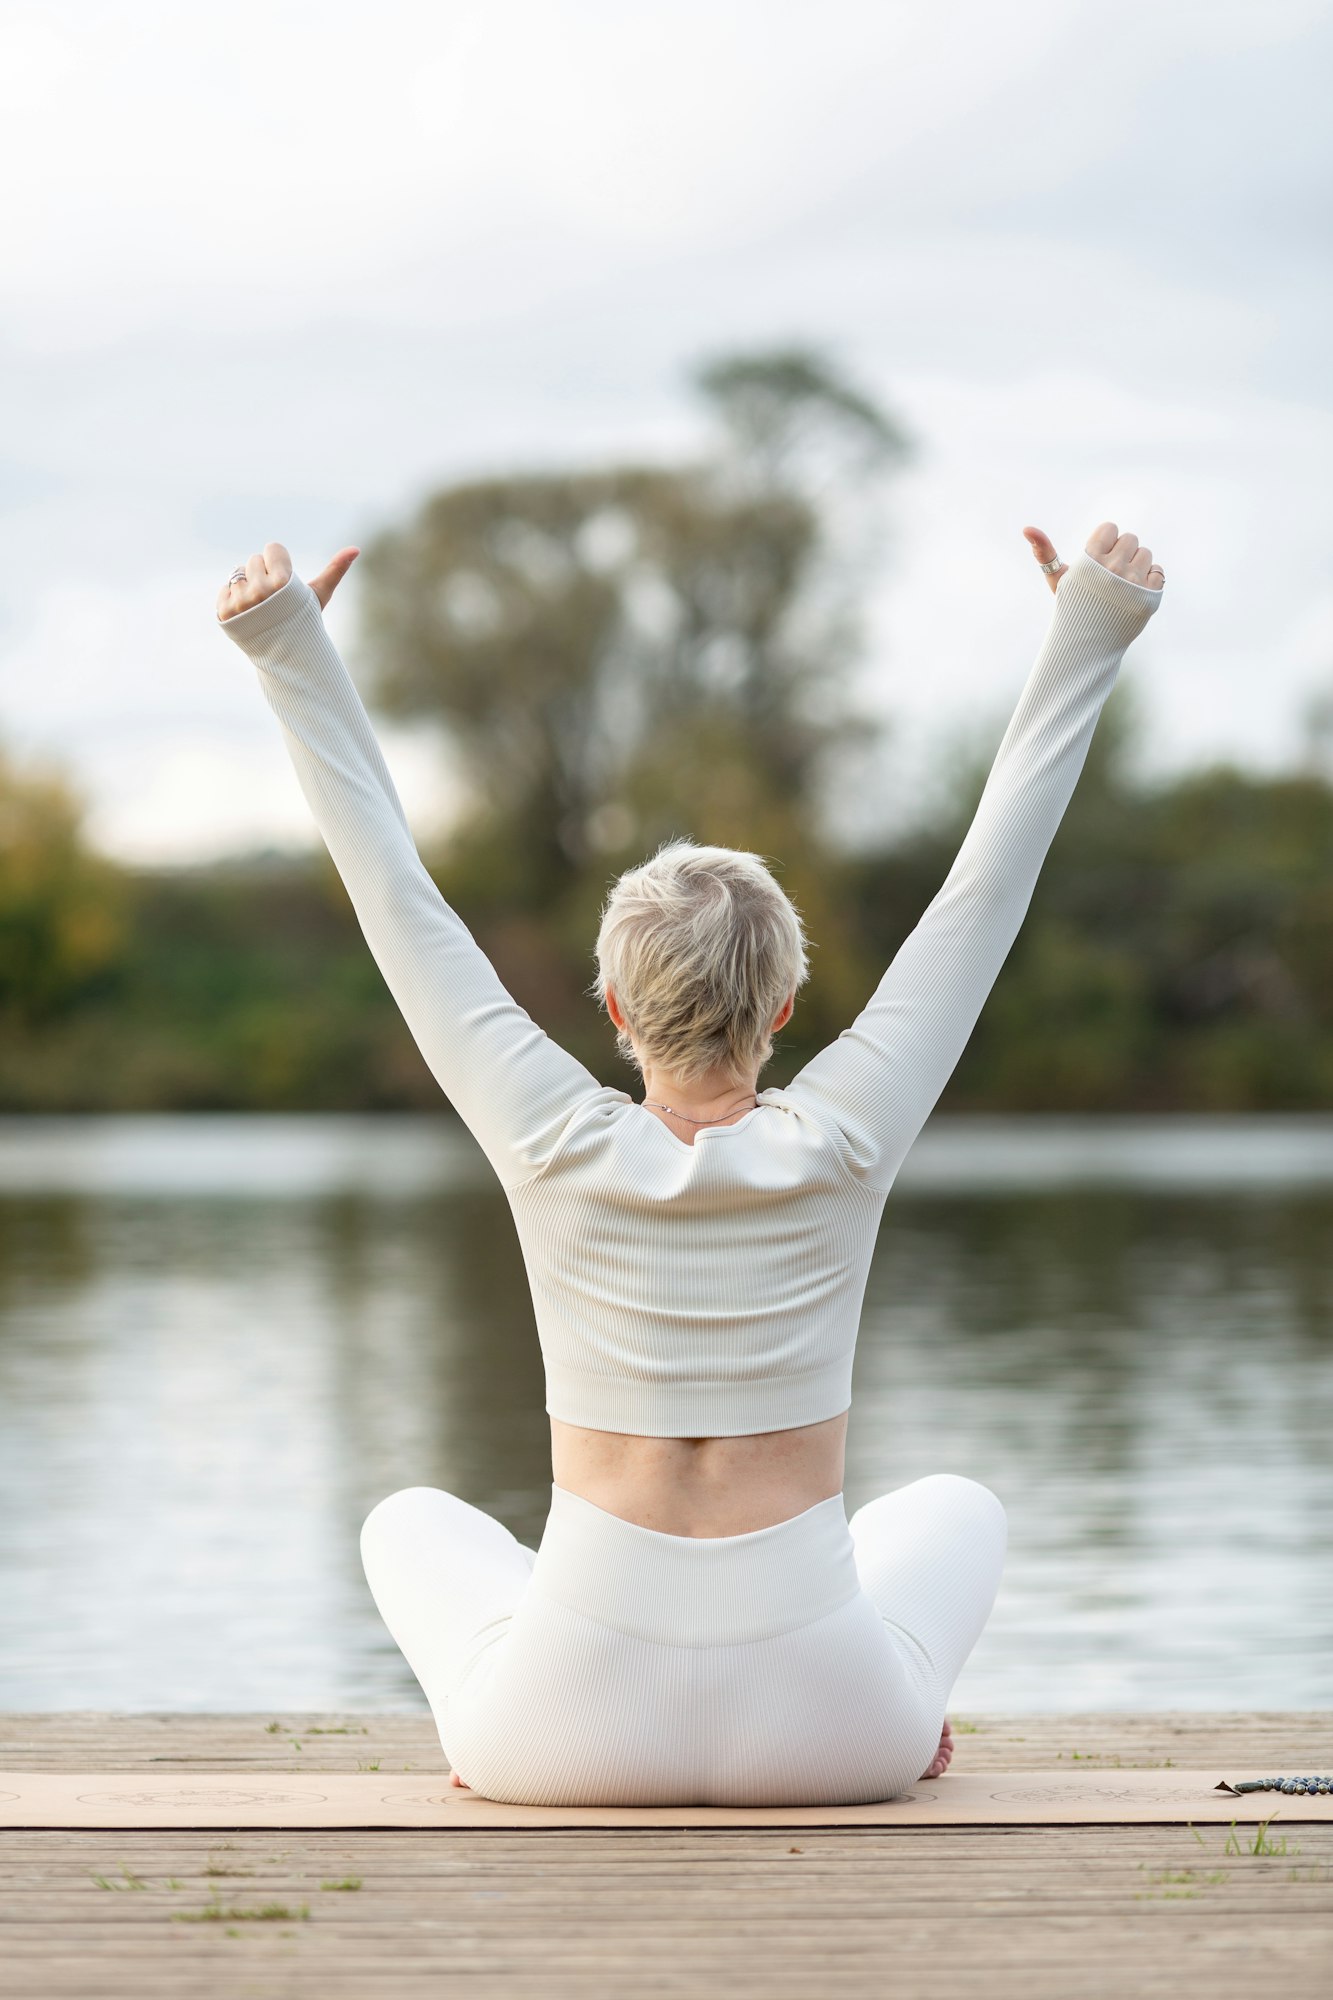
(702, 949)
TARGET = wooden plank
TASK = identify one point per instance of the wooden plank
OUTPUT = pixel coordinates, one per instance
(93, 1741)
(1051, 1913)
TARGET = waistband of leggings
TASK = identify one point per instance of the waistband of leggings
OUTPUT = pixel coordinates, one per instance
(688, 1590)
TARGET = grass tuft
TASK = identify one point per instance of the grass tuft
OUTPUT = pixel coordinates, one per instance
(266, 1913)
(1261, 1844)
(130, 1881)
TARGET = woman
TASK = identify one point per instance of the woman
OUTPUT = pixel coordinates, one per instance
(701, 1623)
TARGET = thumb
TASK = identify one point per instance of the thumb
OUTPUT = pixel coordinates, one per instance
(332, 575)
(1044, 550)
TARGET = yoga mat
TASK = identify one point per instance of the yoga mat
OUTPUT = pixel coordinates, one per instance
(372, 1799)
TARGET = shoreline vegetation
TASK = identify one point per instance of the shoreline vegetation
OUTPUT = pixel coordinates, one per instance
(1178, 956)
(620, 655)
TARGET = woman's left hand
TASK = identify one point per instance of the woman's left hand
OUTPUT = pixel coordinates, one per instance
(265, 574)
(1119, 553)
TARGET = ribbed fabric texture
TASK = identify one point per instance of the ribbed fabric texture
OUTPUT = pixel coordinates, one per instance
(807, 1663)
(709, 1290)
(724, 1590)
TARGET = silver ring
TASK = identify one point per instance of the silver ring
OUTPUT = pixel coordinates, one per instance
(1054, 563)
(237, 576)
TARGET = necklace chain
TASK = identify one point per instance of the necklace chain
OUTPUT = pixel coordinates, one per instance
(656, 1106)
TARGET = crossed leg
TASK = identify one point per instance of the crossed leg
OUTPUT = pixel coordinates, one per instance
(446, 1578)
(929, 1556)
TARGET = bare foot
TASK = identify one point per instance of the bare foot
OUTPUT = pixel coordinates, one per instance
(939, 1764)
(462, 1783)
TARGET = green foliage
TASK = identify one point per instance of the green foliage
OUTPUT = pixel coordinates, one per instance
(1178, 952)
(1148, 975)
(62, 907)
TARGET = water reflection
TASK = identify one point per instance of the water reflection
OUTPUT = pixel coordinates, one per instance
(221, 1340)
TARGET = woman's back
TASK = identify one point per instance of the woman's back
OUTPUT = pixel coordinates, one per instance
(698, 1305)
(697, 1290)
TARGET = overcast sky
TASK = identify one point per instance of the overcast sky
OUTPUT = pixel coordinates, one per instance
(274, 272)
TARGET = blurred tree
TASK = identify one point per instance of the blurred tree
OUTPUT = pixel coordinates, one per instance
(627, 653)
(62, 906)
(1178, 951)
(1178, 954)
(795, 423)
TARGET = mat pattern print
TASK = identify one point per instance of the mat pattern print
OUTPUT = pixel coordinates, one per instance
(334, 1799)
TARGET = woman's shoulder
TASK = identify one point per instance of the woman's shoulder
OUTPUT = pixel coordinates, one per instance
(615, 1147)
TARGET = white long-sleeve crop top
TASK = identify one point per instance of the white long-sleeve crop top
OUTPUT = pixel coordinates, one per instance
(713, 1289)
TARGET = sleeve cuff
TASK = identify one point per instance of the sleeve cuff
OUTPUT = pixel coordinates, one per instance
(1133, 602)
(263, 618)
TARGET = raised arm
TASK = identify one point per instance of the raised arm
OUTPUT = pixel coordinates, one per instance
(881, 1078)
(514, 1087)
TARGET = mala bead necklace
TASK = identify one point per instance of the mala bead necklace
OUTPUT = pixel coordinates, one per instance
(1281, 1785)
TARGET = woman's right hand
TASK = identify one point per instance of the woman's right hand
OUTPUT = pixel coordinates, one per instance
(1114, 551)
(266, 573)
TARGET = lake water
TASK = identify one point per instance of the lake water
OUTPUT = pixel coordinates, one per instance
(223, 1339)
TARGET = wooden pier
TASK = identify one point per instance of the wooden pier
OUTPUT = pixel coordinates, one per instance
(1006, 1913)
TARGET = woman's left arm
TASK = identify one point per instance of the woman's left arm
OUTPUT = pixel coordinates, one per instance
(882, 1076)
(511, 1084)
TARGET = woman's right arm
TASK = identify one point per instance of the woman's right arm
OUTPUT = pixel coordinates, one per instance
(513, 1086)
(880, 1080)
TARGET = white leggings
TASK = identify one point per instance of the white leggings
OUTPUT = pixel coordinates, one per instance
(806, 1663)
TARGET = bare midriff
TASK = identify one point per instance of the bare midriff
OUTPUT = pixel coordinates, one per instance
(702, 1486)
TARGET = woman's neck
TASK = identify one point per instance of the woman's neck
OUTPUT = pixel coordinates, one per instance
(709, 1099)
